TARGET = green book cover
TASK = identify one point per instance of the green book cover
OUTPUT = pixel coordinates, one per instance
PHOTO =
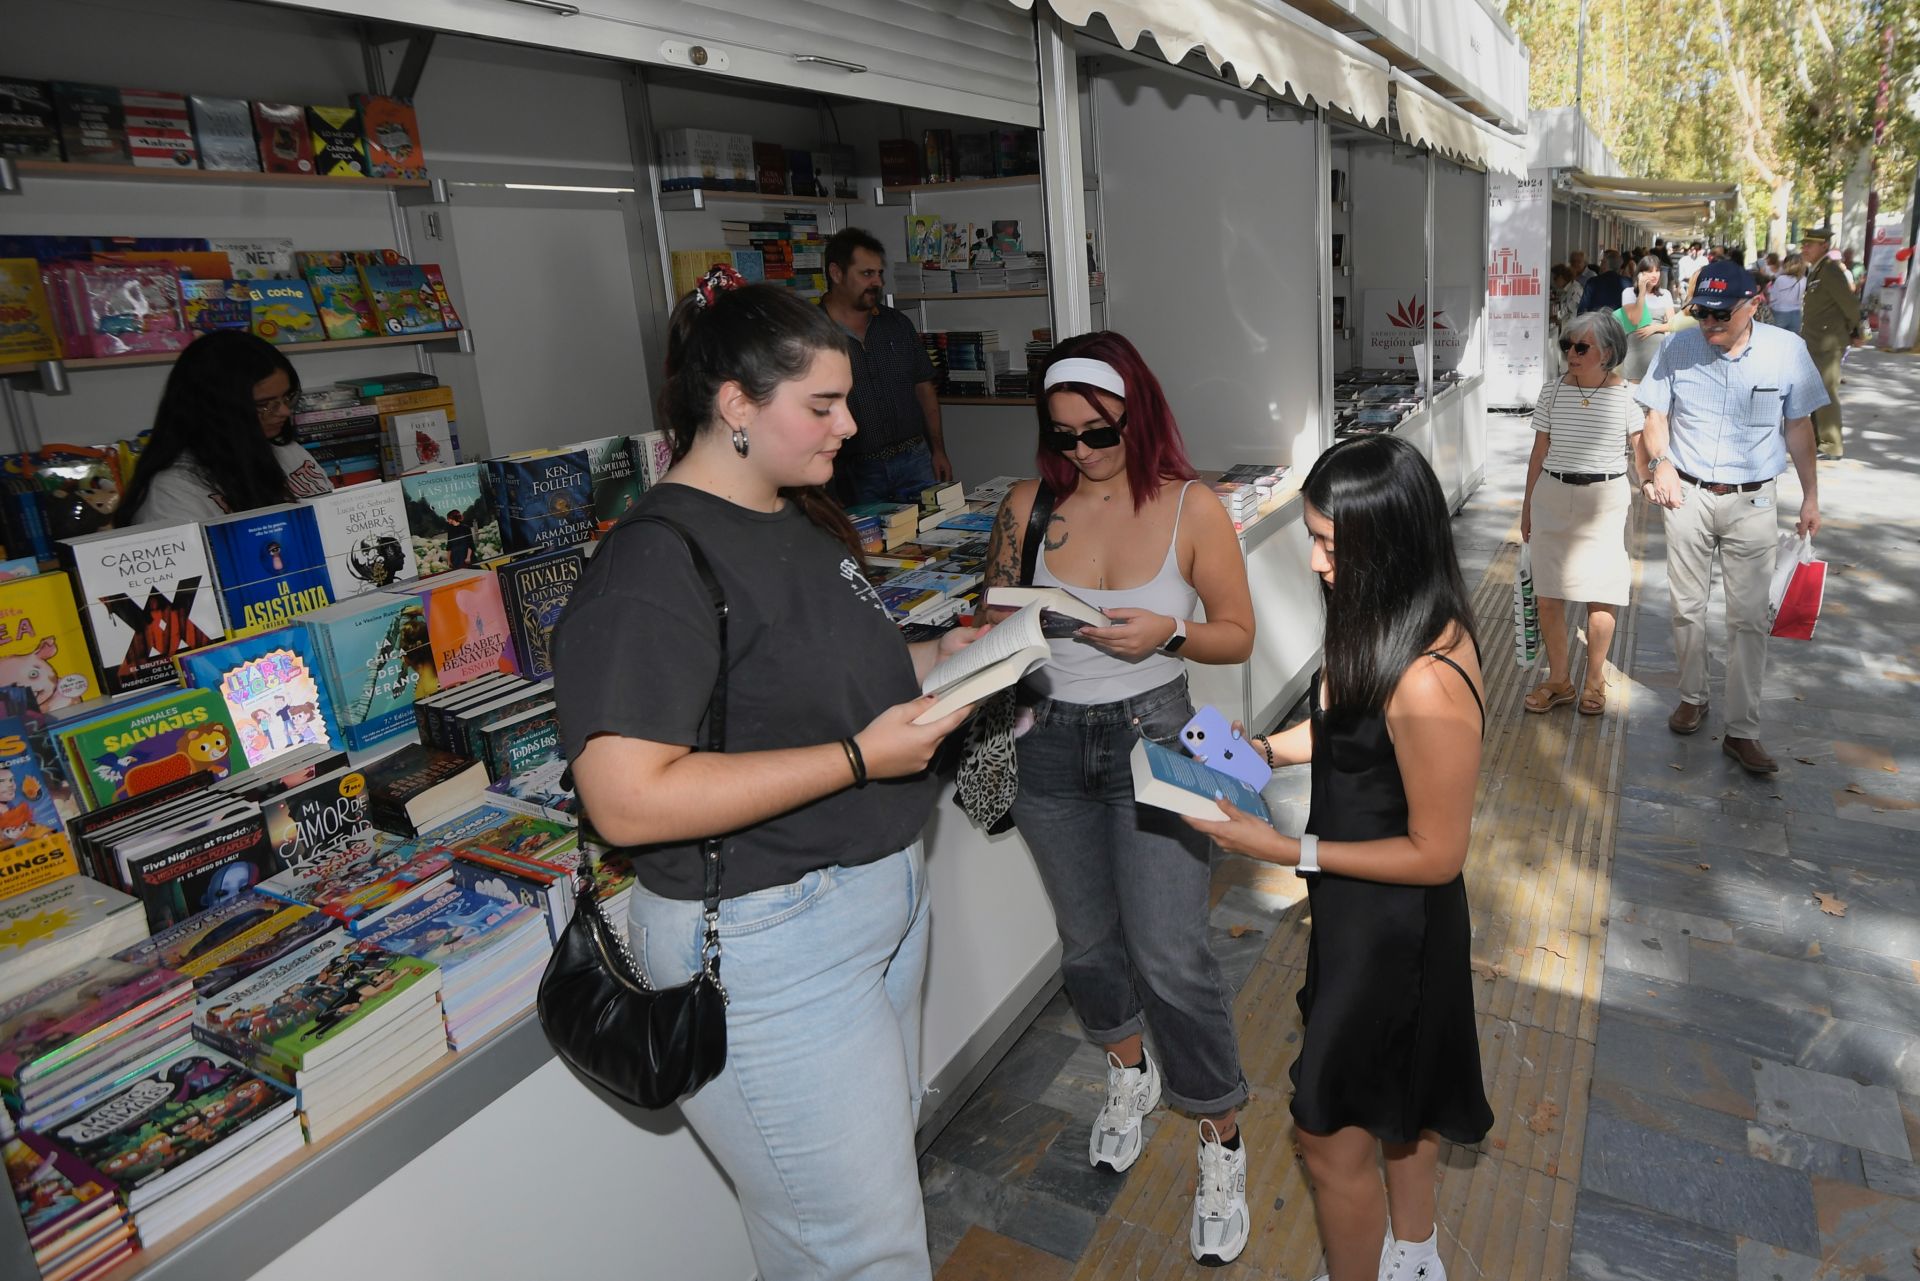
(152, 743)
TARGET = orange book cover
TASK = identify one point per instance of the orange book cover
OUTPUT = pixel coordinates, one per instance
(200, 266)
(393, 137)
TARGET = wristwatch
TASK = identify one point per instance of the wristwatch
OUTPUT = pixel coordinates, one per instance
(1309, 856)
(1174, 642)
(1653, 465)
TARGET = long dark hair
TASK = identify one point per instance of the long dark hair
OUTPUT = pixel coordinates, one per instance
(758, 336)
(1396, 585)
(1155, 451)
(207, 411)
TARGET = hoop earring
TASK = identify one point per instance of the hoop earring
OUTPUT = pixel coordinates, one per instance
(740, 440)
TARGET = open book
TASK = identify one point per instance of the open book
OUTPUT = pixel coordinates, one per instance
(1170, 780)
(999, 659)
(1062, 613)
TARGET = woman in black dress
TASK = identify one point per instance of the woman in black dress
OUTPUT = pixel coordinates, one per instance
(1389, 1059)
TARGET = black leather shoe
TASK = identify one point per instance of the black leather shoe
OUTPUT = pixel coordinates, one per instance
(1687, 718)
(1753, 758)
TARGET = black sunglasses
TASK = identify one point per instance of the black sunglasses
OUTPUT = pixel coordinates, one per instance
(1578, 348)
(1710, 313)
(1065, 442)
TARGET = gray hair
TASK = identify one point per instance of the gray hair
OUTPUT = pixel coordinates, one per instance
(1603, 331)
(1611, 259)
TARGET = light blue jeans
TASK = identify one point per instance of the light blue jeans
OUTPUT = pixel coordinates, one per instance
(813, 1117)
(1787, 320)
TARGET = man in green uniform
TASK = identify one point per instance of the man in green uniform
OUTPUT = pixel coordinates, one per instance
(1828, 324)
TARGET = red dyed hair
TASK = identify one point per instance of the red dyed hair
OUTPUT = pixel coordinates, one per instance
(1155, 451)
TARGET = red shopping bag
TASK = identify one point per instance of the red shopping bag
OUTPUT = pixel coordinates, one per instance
(1801, 584)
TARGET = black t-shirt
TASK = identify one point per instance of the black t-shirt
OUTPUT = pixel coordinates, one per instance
(812, 658)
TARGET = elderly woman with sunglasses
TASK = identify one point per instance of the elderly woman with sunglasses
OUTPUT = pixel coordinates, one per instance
(1577, 499)
(1124, 525)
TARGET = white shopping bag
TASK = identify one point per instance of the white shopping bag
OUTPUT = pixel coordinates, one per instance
(1791, 552)
(1526, 612)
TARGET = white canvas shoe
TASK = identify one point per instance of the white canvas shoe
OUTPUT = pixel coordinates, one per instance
(1416, 1261)
(1221, 1224)
(1386, 1258)
(1132, 1093)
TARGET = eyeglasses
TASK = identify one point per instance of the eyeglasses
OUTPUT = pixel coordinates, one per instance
(1722, 314)
(1065, 442)
(1577, 348)
(267, 406)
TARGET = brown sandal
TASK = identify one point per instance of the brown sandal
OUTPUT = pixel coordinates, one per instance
(1593, 700)
(1556, 696)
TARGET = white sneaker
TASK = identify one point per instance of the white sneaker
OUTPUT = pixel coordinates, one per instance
(1416, 1261)
(1386, 1258)
(1220, 1221)
(1132, 1093)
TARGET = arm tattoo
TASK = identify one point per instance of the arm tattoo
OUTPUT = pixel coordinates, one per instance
(1003, 549)
(1056, 533)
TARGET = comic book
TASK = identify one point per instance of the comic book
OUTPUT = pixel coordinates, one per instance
(273, 690)
(149, 595)
(28, 812)
(44, 1030)
(230, 940)
(360, 885)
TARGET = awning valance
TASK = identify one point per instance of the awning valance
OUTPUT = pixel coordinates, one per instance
(1593, 184)
(1429, 121)
(1258, 40)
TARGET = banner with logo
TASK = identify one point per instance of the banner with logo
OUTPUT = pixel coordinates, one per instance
(1394, 326)
(1518, 280)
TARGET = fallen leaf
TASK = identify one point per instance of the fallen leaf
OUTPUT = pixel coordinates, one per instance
(1490, 971)
(1500, 1145)
(1240, 931)
(1672, 766)
(1856, 789)
(1705, 867)
(1804, 760)
(1541, 1122)
(1553, 1169)
(1651, 992)
(1829, 904)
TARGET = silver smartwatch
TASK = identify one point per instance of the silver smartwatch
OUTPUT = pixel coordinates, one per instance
(1309, 856)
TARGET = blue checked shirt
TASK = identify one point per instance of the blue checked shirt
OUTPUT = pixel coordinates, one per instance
(1726, 418)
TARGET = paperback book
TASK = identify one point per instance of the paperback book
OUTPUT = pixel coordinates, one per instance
(373, 652)
(319, 820)
(230, 940)
(272, 689)
(392, 136)
(159, 131)
(365, 537)
(534, 590)
(93, 125)
(148, 744)
(149, 595)
(27, 331)
(28, 127)
(545, 499)
(617, 479)
(1171, 780)
(452, 516)
(466, 625)
(411, 787)
(285, 146)
(223, 128)
(201, 863)
(359, 884)
(271, 566)
(51, 929)
(57, 1192)
(339, 146)
(44, 1032)
(45, 665)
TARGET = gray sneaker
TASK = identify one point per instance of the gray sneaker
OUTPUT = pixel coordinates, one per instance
(1132, 1093)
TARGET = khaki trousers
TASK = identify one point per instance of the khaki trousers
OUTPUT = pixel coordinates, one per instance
(1826, 419)
(1741, 529)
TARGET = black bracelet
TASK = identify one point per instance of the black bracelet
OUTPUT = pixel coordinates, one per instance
(1266, 750)
(855, 760)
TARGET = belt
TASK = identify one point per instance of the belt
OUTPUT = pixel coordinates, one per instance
(894, 450)
(1585, 477)
(1714, 488)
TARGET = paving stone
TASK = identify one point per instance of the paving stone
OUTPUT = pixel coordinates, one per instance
(1639, 949)
(1797, 946)
(1877, 1002)
(1861, 1116)
(1791, 984)
(1674, 879)
(1821, 1158)
(1723, 1191)
(1891, 1175)
(1670, 1116)
(1687, 924)
(1618, 1241)
(958, 1198)
(1032, 1064)
(1869, 1055)
(1866, 1230)
(1065, 1175)
(1743, 1022)
(1701, 827)
(1668, 1063)
(1000, 1134)
(1758, 1261)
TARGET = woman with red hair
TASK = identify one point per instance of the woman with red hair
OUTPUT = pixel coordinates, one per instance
(1121, 523)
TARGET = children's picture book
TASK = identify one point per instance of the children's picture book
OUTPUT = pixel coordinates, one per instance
(364, 536)
(1171, 780)
(272, 687)
(545, 499)
(215, 306)
(319, 819)
(271, 566)
(93, 125)
(339, 146)
(28, 127)
(159, 131)
(466, 625)
(27, 331)
(230, 940)
(403, 300)
(451, 513)
(617, 479)
(392, 136)
(157, 739)
(149, 595)
(149, 1135)
(44, 662)
(223, 127)
(342, 302)
(449, 318)
(285, 146)
(283, 312)
(360, 883)
(117, 311)
(365, 647)
(534, 590)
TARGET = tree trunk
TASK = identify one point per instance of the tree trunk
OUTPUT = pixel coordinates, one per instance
(1853, 228)
(1782, 211)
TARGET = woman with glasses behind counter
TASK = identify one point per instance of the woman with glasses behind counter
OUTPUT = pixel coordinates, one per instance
(222, 438)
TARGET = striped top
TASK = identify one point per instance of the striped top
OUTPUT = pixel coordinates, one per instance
(1591, 437)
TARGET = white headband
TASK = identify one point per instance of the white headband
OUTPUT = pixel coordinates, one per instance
(1091, 373)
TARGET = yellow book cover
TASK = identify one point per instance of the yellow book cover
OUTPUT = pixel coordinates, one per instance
(43, 650)
(40, 860)
(26, 322)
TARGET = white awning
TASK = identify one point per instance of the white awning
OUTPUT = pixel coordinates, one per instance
(1259, 40)
(1430, 121)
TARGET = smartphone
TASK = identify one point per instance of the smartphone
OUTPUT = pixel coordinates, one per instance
(1209, 739)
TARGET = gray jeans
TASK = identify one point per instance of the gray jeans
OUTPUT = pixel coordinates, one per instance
(1129, 886)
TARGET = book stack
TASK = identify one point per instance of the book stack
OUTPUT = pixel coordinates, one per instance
(1025, 270)
(75, 1219)
(1265, 477)
(490, 953)
(510, 850)
(545, 498)
(908, 278)
(340, 1020)
(66, 1042)
(1037, 348)
(52, 928)
(1241, 501)
(419, 426)
(534, 589)
(969, 358)
(523, 754)
(217, 948)
(928, 596)
(461, 722)
(706, 158)
(1008, 382)
(986, 279)
(182, 1136)
(341, 431)
(414, 786)
(890, 524)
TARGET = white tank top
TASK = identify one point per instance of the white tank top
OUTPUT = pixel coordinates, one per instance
(1082, 672)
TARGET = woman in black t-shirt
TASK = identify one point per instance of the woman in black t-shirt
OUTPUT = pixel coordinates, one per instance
(822, 788)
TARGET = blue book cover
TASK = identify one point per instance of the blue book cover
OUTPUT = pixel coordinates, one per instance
(545, 500)
(535, 590)
(367, 648)
(271, 567)
(273, 688)
(1171, 780)
(26, 789)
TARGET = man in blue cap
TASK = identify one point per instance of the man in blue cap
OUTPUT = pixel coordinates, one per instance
(1728, 404)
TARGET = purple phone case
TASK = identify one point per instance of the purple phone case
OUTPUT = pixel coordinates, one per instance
(1209, 739)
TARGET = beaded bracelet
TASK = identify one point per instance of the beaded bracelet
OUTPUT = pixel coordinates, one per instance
(1266, 750)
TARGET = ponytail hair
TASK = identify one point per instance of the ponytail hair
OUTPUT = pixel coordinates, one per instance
(758, 336)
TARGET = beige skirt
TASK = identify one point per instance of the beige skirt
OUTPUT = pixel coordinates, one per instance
(1580, 540)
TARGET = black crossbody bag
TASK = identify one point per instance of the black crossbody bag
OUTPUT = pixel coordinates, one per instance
(647, 1046)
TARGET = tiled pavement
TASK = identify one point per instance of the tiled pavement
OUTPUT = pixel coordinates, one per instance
(1753, 1061)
